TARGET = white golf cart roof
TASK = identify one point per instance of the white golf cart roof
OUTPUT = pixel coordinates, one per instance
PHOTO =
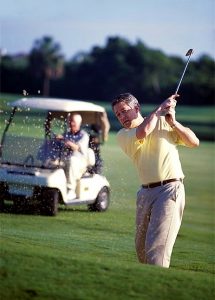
(56, 104)
(91, 113)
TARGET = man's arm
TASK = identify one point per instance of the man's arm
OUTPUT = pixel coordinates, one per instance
(69, 144)
(149, 123)
(83, 143)
(187, 136)
(72, 146)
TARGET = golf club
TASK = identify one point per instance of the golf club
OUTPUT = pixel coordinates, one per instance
(189, 53)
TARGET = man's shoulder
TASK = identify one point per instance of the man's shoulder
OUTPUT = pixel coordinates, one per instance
(126, 132)
(126, 136)
(83, 132)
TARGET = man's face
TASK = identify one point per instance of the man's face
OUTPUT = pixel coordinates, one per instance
(125, 114)
(75, 123)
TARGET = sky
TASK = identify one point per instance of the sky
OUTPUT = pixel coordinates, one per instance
(172, 26)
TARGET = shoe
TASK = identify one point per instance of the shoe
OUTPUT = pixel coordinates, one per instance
(71, 195)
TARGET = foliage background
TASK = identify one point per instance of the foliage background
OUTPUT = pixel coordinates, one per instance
(104, 72)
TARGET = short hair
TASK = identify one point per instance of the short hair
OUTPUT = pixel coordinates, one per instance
(127, 98)
(72, 115)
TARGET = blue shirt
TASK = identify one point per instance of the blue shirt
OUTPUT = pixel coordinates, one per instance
(81, 138)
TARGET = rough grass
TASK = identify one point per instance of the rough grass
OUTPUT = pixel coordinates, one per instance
(84, 255)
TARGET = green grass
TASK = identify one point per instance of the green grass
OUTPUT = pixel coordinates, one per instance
(84, 255)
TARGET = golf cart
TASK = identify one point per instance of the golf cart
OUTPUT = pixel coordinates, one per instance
(31, 168)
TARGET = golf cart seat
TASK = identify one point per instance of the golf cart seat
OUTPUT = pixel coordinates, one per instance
(95, 140)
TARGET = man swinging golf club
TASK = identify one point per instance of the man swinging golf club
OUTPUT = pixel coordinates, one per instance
(151, 143)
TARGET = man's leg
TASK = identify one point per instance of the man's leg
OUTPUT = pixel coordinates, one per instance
(75, 167)
(142, 221)
(165, 221)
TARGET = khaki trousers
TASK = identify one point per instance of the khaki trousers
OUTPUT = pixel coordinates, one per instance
(75, 167)
(158, 220)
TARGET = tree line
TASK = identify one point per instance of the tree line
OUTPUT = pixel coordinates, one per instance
(107, 71)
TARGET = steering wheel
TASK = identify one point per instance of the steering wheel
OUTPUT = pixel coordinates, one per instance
(29, 158)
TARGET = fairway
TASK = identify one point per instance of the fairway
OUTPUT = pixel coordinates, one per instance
(85, 255)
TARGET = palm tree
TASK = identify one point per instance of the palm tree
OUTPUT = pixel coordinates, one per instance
(46, 61)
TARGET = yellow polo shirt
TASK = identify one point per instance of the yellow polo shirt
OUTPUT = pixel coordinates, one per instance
(156, 156)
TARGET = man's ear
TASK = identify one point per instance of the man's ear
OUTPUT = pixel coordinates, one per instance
(137, 108)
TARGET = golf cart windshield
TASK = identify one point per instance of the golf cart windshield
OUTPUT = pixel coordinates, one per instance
(30, 138)
(24, 138)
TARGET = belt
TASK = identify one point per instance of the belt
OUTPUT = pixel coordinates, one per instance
(160, 183)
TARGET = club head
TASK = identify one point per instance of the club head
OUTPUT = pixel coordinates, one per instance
(189, 52)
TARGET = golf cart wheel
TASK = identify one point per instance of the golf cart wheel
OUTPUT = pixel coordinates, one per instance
(1, 203)
(19, 205)
(2, 196)
(102, 201)
(49, 202)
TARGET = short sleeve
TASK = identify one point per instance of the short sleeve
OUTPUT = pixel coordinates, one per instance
(128, 141)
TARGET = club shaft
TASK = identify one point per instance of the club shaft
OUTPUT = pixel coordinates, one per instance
(176, 91)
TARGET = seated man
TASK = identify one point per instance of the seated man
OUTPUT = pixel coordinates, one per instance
(76, 142)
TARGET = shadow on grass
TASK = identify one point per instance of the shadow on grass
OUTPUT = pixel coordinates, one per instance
(31, 209)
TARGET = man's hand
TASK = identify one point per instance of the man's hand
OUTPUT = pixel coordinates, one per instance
(67, 143)
(167, 104)
(149, 123)
(59, 137)
(170, 116)
(71, 145)
(186, 135)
